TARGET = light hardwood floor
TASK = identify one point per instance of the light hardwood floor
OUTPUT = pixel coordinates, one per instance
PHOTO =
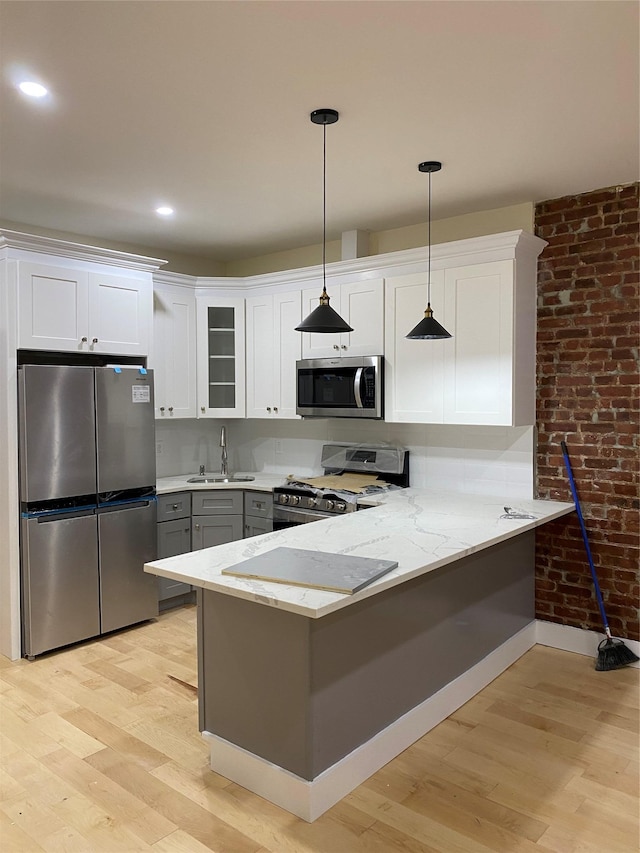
(100, 752)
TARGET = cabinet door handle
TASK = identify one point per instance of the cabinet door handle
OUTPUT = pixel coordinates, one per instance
(170, 408)
(335, 346)
(202, 409)
(275, 409)
(84, 340)
(162, 408)
(197, 527)
(94, 341)
(268, 408)
(344, 346)
(174, 506)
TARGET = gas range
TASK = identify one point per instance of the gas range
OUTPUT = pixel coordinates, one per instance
(302, 500)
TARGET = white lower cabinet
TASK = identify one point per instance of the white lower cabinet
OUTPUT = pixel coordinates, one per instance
(76, 310)
(361, 304)
(273, 347)
(174, 352)
(484, 373)
(220, 356)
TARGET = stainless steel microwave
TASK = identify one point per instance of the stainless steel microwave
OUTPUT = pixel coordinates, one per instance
(350, 387)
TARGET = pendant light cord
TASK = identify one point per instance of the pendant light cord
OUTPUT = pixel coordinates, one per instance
(429, 246)
(324, 208)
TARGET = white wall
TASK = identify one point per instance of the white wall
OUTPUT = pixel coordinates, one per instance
(471, 459)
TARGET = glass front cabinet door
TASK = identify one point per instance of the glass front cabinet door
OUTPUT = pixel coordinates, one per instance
(221, 359)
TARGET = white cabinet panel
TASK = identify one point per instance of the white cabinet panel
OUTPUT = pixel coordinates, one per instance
(484, 373)
(79, 311)
(53, 305)
(174, 352)
(413, 369)
(120, 314)
(478, 376)
(273, 347)
(361, 304)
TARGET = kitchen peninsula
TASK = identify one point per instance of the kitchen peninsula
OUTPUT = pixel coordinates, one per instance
(304, 693)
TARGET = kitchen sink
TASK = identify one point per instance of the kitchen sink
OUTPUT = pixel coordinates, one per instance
(231, 478)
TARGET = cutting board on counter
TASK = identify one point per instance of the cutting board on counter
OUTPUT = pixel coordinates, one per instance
(315, 569)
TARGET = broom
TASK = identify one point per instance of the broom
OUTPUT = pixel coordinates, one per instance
(612, 654)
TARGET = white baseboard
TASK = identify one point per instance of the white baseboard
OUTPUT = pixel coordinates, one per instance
(310, 799)
(577, 640)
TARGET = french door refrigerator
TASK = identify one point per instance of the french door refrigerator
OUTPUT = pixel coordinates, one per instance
(88, 505)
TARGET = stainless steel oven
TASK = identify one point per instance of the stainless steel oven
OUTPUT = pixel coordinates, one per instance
(299, 502)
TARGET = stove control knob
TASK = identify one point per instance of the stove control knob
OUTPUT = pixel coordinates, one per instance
(311, 502)
(341, 506)
(329, 505)
(283, 499)
(294, 500)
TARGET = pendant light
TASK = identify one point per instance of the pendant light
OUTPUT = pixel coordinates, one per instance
(324, 319)
(428, 328)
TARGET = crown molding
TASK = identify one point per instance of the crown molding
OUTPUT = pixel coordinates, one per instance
(503, 246)
(77, 251)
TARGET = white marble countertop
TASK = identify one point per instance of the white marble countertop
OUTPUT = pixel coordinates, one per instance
(421, 529)
(261, 483)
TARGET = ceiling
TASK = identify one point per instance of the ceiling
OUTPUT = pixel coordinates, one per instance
(205, 106)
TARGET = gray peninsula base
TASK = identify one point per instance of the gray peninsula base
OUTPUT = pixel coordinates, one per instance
(303, 693)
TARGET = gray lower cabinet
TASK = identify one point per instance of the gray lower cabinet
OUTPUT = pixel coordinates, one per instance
(174, 537)
(217, 517)
(258, 513)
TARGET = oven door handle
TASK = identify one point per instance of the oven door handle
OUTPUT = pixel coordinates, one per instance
(357, 381)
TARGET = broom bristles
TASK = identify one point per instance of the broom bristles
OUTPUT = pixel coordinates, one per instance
(613, 654)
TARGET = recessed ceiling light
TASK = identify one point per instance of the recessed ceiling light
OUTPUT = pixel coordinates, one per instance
(164, 211)
(32, 89)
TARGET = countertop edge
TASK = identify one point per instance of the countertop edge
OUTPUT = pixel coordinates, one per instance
(338, 601)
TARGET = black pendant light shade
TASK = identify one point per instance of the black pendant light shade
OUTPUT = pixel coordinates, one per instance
(324, 319)
(428, 329)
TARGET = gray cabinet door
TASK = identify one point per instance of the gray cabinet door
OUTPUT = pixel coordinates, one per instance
(210, 530)
(174, 537)
(255, 526)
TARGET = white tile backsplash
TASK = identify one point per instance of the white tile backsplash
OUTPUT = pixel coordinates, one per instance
(469, 459)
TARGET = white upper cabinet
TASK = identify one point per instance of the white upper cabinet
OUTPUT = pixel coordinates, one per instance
(482, 382)
(220, 356)
(484, 373)
(273, 347)
(413, 369)
(174, 351)
(361, 304)
(76, 310)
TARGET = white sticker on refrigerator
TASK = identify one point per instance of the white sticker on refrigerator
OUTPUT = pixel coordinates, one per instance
(140, 393)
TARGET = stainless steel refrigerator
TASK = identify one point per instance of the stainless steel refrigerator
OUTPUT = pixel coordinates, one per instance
(88, 505)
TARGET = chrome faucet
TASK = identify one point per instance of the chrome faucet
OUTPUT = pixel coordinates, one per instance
(224, 465)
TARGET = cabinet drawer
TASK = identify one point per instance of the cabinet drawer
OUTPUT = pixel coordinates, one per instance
(216, 502)
(174, 505)
(258, 504)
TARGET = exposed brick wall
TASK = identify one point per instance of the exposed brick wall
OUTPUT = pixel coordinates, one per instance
(588, 327)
